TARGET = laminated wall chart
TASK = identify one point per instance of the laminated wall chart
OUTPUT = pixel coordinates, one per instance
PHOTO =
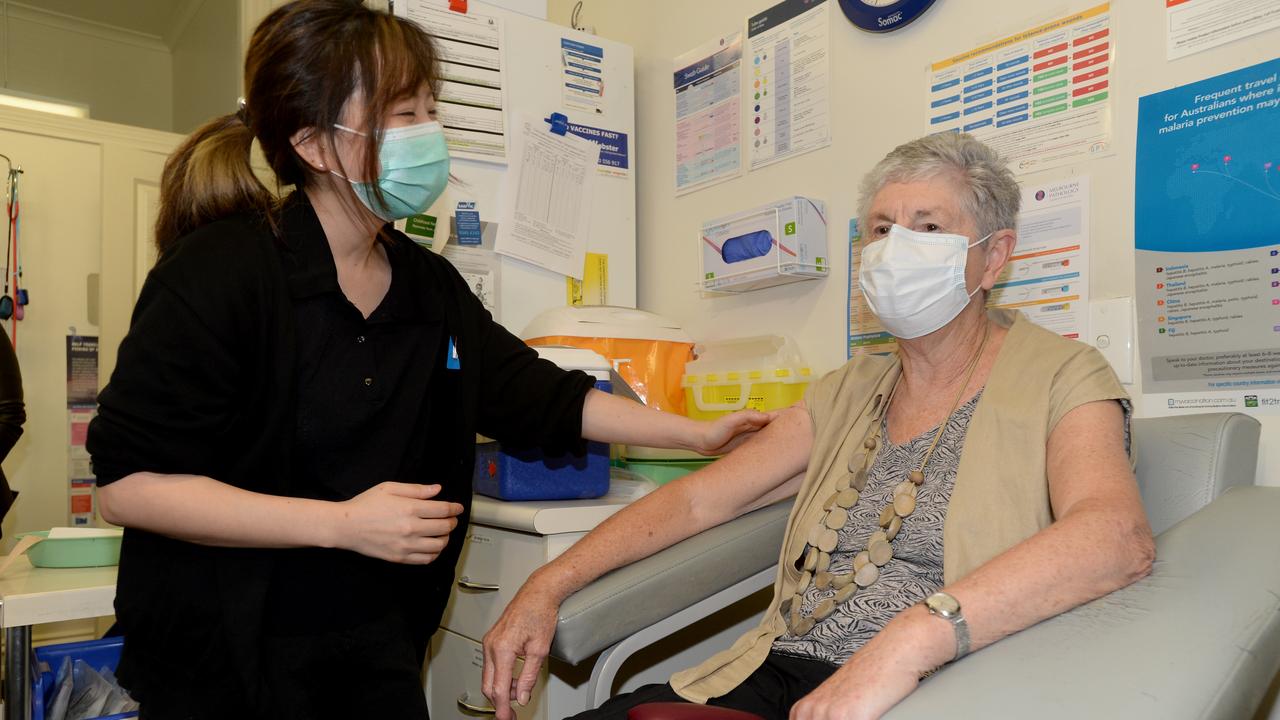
(1195, 25)
(1207, 241)
(787, 85)
(1041, 97)
(708, 106)
(471, 98)
(1047, 277)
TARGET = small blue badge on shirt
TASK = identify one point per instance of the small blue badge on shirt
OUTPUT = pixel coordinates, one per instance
(451, 361)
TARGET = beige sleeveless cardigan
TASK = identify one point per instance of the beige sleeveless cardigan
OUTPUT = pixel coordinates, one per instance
(1001, 495)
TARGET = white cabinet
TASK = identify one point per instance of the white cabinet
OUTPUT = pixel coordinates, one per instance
(504, 545)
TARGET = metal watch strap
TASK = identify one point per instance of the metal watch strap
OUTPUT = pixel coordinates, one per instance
(962, 636)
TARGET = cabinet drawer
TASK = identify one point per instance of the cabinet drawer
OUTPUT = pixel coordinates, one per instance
(493, 566)
(454, 677)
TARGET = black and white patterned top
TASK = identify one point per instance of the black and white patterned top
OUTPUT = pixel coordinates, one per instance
(916, 568)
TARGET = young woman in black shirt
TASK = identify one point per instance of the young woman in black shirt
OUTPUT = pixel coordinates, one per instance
(288, 436)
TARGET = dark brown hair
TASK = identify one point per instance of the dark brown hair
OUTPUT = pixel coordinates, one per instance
(305, 61)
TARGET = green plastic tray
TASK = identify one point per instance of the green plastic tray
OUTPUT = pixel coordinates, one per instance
(74, 552)
(662, 472)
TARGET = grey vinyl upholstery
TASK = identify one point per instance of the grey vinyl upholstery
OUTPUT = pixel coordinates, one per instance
(634, 597)
(1198, 638)
(1184, 462)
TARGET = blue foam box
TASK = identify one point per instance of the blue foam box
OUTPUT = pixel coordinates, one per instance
(98, 653)
(532, 475)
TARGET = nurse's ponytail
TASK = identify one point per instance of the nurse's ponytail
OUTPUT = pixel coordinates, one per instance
(207, 178)
(305, 61)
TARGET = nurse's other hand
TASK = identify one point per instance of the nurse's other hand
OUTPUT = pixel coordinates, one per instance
(724, 434)
(524, 631)
(398, 522)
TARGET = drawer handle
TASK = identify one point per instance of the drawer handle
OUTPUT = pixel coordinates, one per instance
(468, 584)
(465, 704)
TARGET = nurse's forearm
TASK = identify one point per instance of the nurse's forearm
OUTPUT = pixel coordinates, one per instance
(615, 419)
(608, 418)
(202, 510)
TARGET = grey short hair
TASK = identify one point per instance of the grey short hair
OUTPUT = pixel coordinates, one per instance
(990, 194)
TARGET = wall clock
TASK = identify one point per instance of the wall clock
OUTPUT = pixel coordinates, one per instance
(880, 16)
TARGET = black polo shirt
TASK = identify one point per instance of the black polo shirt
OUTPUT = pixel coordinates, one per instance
(364, 385)
(243, 364)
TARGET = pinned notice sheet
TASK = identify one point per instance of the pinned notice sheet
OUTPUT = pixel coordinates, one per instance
(548, 186)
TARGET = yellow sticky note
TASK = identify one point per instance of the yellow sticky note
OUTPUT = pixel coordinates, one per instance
(593, 289)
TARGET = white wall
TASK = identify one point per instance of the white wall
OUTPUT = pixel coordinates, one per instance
(123, 77)
(207, 65)
(876, 104)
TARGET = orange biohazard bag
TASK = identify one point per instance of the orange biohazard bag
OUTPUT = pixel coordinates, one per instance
(646, 350)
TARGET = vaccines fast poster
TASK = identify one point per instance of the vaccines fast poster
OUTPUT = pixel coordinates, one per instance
(1047, 277)
(787, 88)
(1207, 238)
(1041, 98)
(707, 81)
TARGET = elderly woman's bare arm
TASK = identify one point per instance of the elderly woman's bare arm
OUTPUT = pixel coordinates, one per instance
(765, 469)
(1099, 542)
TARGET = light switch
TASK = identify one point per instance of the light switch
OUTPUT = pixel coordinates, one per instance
(1111, 327)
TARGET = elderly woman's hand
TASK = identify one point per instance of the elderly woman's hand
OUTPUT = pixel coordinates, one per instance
(523, 632)
(883, 672)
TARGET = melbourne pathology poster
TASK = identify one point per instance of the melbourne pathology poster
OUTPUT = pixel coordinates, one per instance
(1207, 235)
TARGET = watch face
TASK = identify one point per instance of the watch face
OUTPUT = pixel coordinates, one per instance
(883, 15)
(943, 604)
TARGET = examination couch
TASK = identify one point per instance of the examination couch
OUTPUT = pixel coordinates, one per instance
(1198, 638)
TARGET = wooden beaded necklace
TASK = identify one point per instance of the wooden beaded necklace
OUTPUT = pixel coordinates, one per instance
(824, 536)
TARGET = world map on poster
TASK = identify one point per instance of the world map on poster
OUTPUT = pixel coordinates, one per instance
(1207, 240)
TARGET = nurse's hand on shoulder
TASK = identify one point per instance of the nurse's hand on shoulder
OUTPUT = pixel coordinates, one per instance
(524, 631)
(726, 433)
(398, 522)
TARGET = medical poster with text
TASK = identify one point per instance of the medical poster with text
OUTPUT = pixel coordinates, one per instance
(787, 90)
(1207, 238)
(707, 82)
(1047, 277)
(1041, 98)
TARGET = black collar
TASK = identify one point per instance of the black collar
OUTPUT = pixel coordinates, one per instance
(311, 270)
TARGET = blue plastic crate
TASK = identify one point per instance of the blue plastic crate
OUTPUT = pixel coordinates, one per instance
(532, 475)
(98, 653)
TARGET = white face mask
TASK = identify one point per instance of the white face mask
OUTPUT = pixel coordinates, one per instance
(914, 281)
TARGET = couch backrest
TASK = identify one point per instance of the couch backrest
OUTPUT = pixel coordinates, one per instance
(1185, 461)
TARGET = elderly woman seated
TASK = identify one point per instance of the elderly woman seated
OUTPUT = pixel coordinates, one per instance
(971, 485)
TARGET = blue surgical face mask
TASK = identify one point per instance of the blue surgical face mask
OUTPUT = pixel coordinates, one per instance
(415, 170)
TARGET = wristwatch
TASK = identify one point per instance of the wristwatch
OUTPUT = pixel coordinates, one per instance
(945, 606)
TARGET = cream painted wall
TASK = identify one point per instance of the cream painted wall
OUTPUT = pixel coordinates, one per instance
(80, 189)
(876, 104)
(85, 65)
(207, 64)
